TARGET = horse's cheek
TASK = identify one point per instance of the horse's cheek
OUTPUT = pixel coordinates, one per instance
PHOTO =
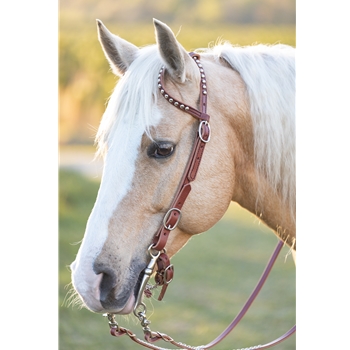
(202, 212)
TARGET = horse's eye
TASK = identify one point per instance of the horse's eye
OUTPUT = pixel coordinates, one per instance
(162, 149)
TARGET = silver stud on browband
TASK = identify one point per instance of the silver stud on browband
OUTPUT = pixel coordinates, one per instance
(170, 99)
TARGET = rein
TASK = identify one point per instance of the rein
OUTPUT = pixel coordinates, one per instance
(165, 271)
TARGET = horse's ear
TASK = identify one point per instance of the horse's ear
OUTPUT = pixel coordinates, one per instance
(177, 60)
(119, 52)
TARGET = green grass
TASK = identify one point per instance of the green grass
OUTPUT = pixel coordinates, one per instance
(214, 275)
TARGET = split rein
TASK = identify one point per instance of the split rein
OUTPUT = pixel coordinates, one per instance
(157, 252)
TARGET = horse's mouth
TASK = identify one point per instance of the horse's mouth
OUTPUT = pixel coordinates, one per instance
(131, 302)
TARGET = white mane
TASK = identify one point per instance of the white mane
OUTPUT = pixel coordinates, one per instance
(269, 75)
(133, 98)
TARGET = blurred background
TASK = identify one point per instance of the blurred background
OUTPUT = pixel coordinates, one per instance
(202, 301)
(85, 80)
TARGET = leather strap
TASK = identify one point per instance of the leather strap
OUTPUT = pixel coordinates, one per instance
(152, 337)
(173, 216)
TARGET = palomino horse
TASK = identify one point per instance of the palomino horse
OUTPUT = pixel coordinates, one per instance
(154, 131)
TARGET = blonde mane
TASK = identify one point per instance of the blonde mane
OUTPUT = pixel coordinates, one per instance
(269, 74)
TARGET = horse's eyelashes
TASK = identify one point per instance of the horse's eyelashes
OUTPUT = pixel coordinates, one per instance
(161, 149)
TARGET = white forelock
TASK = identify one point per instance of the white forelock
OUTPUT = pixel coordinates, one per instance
(133, 99)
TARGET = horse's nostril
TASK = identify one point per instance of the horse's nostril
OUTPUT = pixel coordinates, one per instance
(108, 290)
(108, 281)
(117, 286)
(106, 286)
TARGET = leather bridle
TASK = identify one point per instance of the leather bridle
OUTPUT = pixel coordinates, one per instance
(159, 259)
(172, 217)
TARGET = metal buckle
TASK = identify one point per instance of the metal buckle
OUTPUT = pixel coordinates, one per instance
(204, 122)
(171, 266)
(166, 217)
(112, 322)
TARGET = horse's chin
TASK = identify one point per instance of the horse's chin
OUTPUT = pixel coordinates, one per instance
(96, 306)
(130, 304)
(129, 307)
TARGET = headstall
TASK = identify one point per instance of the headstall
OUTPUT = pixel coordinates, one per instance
(158, 257)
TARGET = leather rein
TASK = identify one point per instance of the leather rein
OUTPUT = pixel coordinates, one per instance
(159, 259)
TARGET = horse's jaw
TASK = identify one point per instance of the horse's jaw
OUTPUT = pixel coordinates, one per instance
(129, 307)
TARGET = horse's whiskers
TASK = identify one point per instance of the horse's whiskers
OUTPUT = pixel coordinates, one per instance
(72, 297)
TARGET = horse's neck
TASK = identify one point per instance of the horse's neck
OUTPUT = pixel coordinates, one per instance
(253, 191)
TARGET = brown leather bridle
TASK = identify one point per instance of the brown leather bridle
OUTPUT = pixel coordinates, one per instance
(159, 259)
(165, 270)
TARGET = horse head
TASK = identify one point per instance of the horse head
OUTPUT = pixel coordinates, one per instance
(146, 144)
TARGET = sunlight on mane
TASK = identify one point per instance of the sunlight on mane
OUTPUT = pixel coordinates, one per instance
(133, 98)
(269, 74)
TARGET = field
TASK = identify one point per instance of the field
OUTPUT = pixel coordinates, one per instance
(214, 275)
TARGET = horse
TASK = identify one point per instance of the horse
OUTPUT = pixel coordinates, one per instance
(146, 138)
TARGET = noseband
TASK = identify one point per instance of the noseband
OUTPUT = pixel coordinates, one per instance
(159, 260)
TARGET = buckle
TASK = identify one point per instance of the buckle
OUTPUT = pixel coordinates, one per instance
(201, 124)
(166, 217)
